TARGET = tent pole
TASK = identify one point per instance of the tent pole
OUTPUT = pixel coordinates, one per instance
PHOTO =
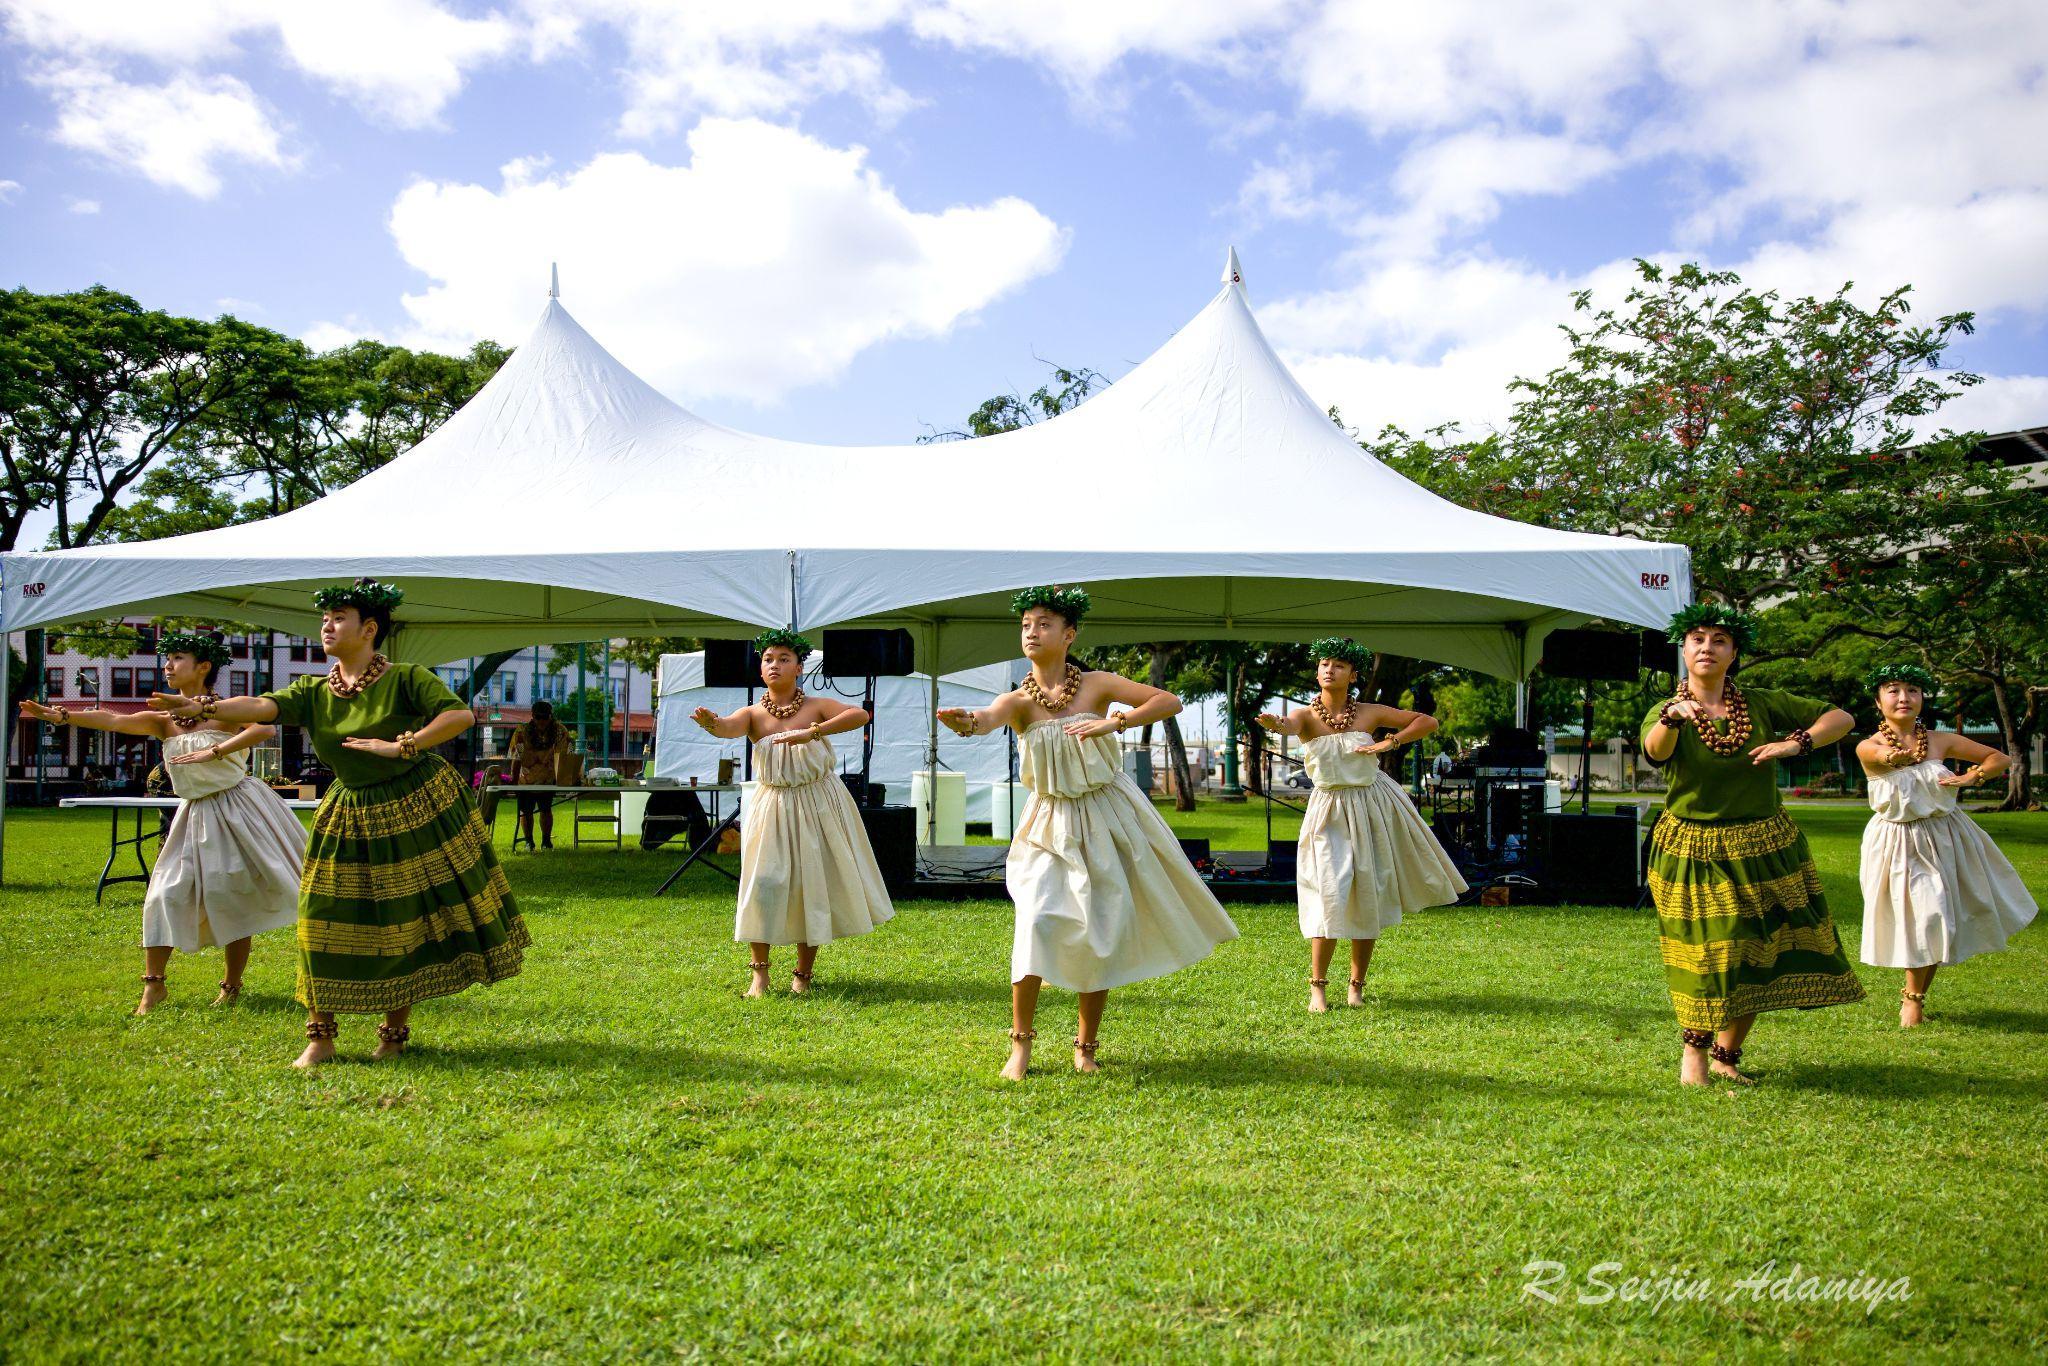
(931, 752)
(7, 738)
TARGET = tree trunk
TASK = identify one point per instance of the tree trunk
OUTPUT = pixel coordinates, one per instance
(1176, 750)
(2017, 740)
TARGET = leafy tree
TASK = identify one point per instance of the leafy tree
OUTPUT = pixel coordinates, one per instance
(1774, 438)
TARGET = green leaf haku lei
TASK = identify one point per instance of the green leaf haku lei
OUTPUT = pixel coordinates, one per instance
(364, 593)
(204, 648)
(1740, 625)
(1070, 603)
(786, 638)
(1900, 672)
(1343, 648)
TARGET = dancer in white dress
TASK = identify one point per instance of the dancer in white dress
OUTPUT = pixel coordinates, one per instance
(1104, 895)
(1364, 858)
(229, 865)
(1936, 890)
(807, 872)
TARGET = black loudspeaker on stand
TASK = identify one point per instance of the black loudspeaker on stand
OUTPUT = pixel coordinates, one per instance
(731, 664)
(1592, 860)
(892, 830)
(868, 654)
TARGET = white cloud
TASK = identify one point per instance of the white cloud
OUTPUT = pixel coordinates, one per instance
(765, 263)
(175, 133)
(729, 59)
(329, 336)
(87, 206)
(2002, 403)
(1884, 142)
(9, 191)
(401, 61)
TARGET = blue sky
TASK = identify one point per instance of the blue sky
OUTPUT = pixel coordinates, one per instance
(839, 220)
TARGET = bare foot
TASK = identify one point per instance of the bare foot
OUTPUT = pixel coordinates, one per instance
(1020, 1060)
(1722, 1069)
(230, 992)
(799, 984)
(1910, 1014)
(153, 994)
(1317, 1001)
(1357, 995)
(759, 986)
(1084, 1057)
(385, 1049)
(1692, 1068)
(317, 1052)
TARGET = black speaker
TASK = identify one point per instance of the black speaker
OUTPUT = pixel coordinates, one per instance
(868, 654)
(1614, 655)
(1591, 860)
(1195, 851)
(731, 664)
(864, 794)
(1281, 858)
(1659, 654)
(892, 830)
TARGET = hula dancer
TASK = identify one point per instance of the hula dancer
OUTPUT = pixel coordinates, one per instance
(401, 898)
(1104, 894)
(1740, 915)
(807, 872)
(229, 865)
(1365, 856)
(1936, 890)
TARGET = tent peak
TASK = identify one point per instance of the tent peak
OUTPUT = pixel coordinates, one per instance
(1232, 275)
(554, 281)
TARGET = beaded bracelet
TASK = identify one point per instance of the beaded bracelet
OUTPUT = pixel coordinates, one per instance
(1803, 739)
(408, 746)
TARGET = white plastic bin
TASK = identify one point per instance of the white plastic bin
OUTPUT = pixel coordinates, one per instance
(1004, 815)
(952, 804)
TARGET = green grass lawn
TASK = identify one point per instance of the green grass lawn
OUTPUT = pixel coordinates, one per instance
(615, 1156)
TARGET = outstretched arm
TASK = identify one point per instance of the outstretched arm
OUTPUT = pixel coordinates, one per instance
(724, 727)
(985, 720)
(241, 709)
(1289, 724)
(123, 723)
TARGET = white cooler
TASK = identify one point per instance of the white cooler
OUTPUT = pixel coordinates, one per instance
(952, 804)
(1003, 815)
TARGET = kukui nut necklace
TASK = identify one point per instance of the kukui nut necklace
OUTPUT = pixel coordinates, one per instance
(1898, 755)
(345, 690)
(782, 711)
(1738, 720)
(1059, 701)
(188, 722)
(1339, 722)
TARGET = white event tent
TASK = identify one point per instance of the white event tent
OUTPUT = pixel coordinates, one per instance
(1204, 495)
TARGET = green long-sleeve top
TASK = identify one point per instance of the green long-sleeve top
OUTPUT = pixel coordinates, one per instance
(1705, 786)
(404, 697)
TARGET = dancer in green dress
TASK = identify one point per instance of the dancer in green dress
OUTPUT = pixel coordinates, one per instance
(1740, 916)
(401, 898)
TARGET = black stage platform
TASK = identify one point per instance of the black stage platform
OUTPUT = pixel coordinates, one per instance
(965, 872)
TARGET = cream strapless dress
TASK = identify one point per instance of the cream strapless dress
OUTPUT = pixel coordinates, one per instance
(807, 872)
(230, 862)
(1365, 857)
(1104, 895)
(1935, 888)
